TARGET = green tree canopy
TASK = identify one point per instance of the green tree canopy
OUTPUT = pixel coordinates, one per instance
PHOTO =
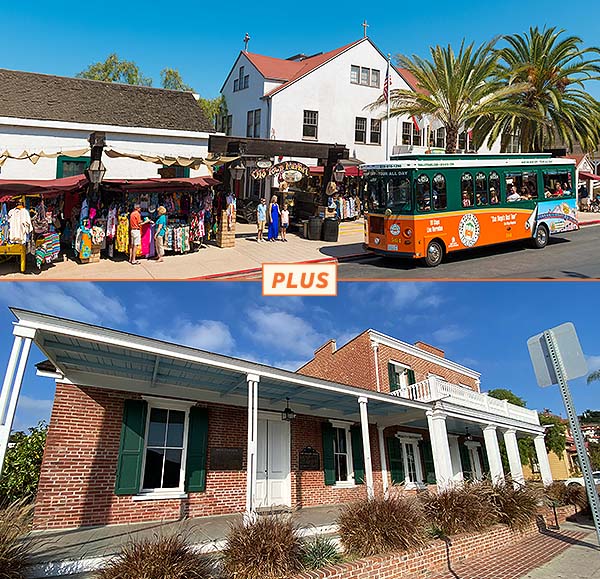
(505, 394)
(549, 71)
(22, 464)
(214, 108)
(113, 69)
(461, 90)
(171, 79)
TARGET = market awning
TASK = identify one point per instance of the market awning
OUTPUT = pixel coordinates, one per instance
(160, 184)
(10, 188)
(586, 175)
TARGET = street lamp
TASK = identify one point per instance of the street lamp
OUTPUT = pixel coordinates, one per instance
(339, 172)
(95, 172)
(288, 414)
(237, 170)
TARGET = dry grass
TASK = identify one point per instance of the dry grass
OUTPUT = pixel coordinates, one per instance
(576, 495)
(380, 525)
(14, 551)
(556, 492)
(169, 557)
(270, 548)
(516, 507)
(460, 509)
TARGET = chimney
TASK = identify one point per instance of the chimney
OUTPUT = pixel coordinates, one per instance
(430, 349)
(327, 349)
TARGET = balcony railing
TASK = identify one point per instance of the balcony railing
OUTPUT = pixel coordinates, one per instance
(433, 389)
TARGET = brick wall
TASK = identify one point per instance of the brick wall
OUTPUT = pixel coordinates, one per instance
(354, 364)
(80, 460)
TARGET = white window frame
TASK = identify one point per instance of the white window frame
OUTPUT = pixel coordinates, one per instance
(371, 141)
(404, 385)
(349, 482)
(378, 74)
(305, 124)
(409, 439)
(166, 404)
(355, 66)
(363, 130)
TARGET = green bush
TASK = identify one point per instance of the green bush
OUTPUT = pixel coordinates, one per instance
(460, 509)
(516, 507)
(14, 549)
(22, 464)
(169, 557)
(319, 552)
(380, 525)
(269, 547)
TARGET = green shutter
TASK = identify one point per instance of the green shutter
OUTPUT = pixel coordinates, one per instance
(195, 465)
(131, 450)
(465, 461)
(358, 455)
(396, 460)
(328, 460)
(392, 377)
(411, 376)
(484, 460)
(427, 453)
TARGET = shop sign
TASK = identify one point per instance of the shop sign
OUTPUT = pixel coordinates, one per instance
(264, 163)
(290, 171)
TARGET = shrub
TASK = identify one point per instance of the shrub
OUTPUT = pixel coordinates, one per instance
(459, 509)
(576, 495)
(168, 557)
(14, 550)
(556, 492)
(516, 507)
(268, 547)
(319, 552)
(379, 525)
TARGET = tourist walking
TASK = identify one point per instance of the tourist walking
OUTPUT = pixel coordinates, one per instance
(261, 219)
(160, 232)
(273, 215)
(135, 221)
(285, 222)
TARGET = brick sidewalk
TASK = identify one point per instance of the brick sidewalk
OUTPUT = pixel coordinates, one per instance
(516, 560)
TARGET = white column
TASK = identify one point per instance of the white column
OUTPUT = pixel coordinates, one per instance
(542, 456)
(252, 380)
(455, 458)
(493, 453)
(11, 387)
(514, 458)
(442, 461)
(382, 458)
(364, 425)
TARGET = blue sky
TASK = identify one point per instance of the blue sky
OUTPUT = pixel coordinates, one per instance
(202, 40)
(482, 325)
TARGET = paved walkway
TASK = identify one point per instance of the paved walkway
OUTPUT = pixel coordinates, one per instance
(211, 261)
(534, 558)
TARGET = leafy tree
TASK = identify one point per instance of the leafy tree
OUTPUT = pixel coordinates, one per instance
(114, 69)
(594, 451)
(22, 464)
(556, 436)
(171, 79)
(550, 70)
(590, 416)
(214, 108)
(505, 394)
(458, 89)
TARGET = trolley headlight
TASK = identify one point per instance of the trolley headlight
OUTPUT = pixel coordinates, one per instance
(408, 232)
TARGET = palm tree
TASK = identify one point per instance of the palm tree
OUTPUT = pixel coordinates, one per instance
(552, 70)
(594, 376)
(460, 90)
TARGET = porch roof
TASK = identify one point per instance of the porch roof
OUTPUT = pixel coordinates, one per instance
(89, 355)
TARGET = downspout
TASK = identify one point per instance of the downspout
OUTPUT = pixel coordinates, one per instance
(376, 358)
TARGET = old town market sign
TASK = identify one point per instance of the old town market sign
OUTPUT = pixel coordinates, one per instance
(290, 171)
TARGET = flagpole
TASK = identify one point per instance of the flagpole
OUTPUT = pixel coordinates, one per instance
(387, 124)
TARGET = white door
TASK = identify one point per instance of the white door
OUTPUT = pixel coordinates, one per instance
(273, 480)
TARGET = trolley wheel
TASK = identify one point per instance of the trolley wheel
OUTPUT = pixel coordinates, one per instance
(435, 253)
(540, 239)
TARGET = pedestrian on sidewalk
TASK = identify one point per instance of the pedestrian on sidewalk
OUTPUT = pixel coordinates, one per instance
(135, 221)
(285, 222)
(261, 218)
(273, 216)
(159, 234)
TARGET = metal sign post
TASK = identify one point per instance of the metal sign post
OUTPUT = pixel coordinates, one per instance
(559, 350)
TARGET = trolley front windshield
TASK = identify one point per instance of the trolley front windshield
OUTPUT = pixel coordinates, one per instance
(389, 190)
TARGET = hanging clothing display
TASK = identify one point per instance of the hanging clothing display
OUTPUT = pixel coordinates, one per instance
(20, 225)
(48, 250)
(4, 225)
(122, 238)
(147, 234)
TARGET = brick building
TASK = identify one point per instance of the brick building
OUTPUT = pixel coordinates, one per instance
(144, 430)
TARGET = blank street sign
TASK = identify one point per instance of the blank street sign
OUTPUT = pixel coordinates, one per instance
(568, 345)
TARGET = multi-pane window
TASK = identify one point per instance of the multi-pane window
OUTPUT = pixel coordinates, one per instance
(375, 137)
(242, 81)
(440, 138)
(340, 454)
(360, 130)
(411, 135)
(365, 76)
(509, 143)
(163, 465)
(310, 122)
(69, 166)
(253, 124)
(464, 141)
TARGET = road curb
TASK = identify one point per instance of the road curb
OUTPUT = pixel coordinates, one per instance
(592, 222)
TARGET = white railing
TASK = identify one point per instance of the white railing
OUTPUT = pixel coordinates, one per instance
(433, 389)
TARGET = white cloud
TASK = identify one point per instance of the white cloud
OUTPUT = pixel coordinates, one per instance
(593, 363)
(208, 335)
(448, 334)
(397, 295)
(85, 302)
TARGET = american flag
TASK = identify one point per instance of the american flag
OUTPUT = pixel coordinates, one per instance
(386, 86)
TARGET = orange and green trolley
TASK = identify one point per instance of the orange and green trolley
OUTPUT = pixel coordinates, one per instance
(425, 206)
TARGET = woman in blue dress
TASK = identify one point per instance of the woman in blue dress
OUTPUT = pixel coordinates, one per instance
(273, 215)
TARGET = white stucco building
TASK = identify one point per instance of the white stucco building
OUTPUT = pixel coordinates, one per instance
(51, 114)
(322, 98)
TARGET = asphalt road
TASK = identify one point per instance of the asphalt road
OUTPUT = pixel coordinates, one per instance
(575, 255)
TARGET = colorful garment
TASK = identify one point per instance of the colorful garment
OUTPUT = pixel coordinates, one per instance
(122, 239)
(4, 226)
(273, 231)
(48, 250)
(85, 249)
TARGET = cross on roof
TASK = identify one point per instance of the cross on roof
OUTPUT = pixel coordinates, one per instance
(365, 26)
(246, 40)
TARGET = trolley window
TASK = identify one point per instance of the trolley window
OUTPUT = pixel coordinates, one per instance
(439, 193)
(557, 183)
(481, 189)
(423, 191)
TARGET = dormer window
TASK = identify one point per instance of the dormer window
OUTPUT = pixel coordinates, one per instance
(242, 81)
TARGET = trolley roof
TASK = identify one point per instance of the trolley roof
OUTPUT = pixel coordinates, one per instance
(443, 161)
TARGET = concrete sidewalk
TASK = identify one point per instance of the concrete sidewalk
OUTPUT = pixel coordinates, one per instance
(211, 261)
